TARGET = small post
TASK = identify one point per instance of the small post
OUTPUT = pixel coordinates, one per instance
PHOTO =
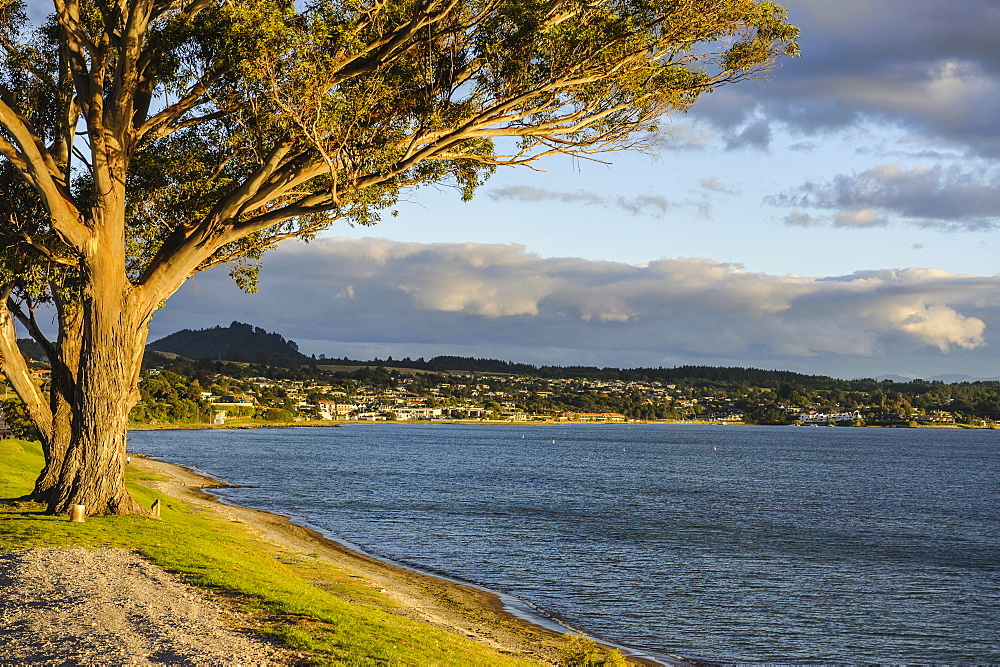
(156, 508)
(77, 513)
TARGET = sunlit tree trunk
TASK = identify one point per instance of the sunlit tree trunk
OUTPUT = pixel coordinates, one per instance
(113, 335)
(92, 470)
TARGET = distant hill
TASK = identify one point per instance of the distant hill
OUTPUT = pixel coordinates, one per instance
(237, 342)
(751, 376)
(32, 350)
(953, 378)
(241, 342)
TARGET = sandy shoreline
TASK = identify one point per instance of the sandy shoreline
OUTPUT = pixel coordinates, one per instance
(470, 611)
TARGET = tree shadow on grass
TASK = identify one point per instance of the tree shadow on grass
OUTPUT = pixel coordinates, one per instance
(21, 507)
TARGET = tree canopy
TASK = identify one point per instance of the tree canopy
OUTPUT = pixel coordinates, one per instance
(142, 141)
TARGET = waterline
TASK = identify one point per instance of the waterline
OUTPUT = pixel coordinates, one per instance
(750, 544)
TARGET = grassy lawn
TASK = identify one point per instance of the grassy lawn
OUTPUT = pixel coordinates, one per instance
(310, 605)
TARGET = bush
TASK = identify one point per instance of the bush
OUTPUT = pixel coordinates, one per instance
(275, 415)
(237, 410)
(14, 413)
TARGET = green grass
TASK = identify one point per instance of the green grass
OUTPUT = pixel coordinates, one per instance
(308, 604)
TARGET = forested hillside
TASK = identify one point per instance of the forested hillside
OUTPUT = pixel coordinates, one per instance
(237, 342)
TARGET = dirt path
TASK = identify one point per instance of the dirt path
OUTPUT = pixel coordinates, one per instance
(110, 607)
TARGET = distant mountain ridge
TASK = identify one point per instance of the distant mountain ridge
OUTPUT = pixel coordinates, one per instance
(247, 343)
(237, 342)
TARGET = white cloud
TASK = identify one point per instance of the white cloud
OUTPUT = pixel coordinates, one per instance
(529, 193)
(653, 205)
(678, 135)
(475, 296)
(941, 326)
(860, 217)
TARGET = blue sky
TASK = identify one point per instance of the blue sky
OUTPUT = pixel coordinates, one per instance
(839, 218)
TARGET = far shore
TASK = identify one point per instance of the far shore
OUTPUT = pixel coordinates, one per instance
(461, 608)
(336, 423)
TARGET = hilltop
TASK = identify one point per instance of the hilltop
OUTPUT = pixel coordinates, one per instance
(32, 350)
(246, 343)
(237, 342)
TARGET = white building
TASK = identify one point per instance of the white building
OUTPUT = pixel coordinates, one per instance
(825, 417)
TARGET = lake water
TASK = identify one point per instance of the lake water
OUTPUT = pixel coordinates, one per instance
(731, 544)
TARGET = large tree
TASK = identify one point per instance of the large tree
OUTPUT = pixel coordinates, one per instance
(142, 141)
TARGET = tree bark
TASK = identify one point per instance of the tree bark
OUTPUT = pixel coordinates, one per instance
(113, 336)
(92, 471)
(64, 368)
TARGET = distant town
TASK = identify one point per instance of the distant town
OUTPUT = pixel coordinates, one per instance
(380, 393)
(259, 378)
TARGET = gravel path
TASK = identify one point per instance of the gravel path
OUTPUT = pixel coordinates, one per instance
(110, 607)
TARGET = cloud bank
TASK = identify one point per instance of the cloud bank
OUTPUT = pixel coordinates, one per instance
(499, 300)
(932, 68)
(930, 196)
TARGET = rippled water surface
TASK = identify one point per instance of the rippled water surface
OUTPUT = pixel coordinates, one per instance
(727, 543)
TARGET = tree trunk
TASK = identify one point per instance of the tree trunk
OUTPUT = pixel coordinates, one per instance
(15, 368)
(61, 400)
(92, 472)
(54, 447)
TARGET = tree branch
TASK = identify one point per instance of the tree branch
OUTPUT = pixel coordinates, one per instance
(44, 174)
(30, 324)
(15, 368)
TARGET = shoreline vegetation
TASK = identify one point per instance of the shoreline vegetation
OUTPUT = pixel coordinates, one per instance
(326, 603)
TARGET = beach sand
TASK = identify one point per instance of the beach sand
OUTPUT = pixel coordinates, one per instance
(466, 610)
